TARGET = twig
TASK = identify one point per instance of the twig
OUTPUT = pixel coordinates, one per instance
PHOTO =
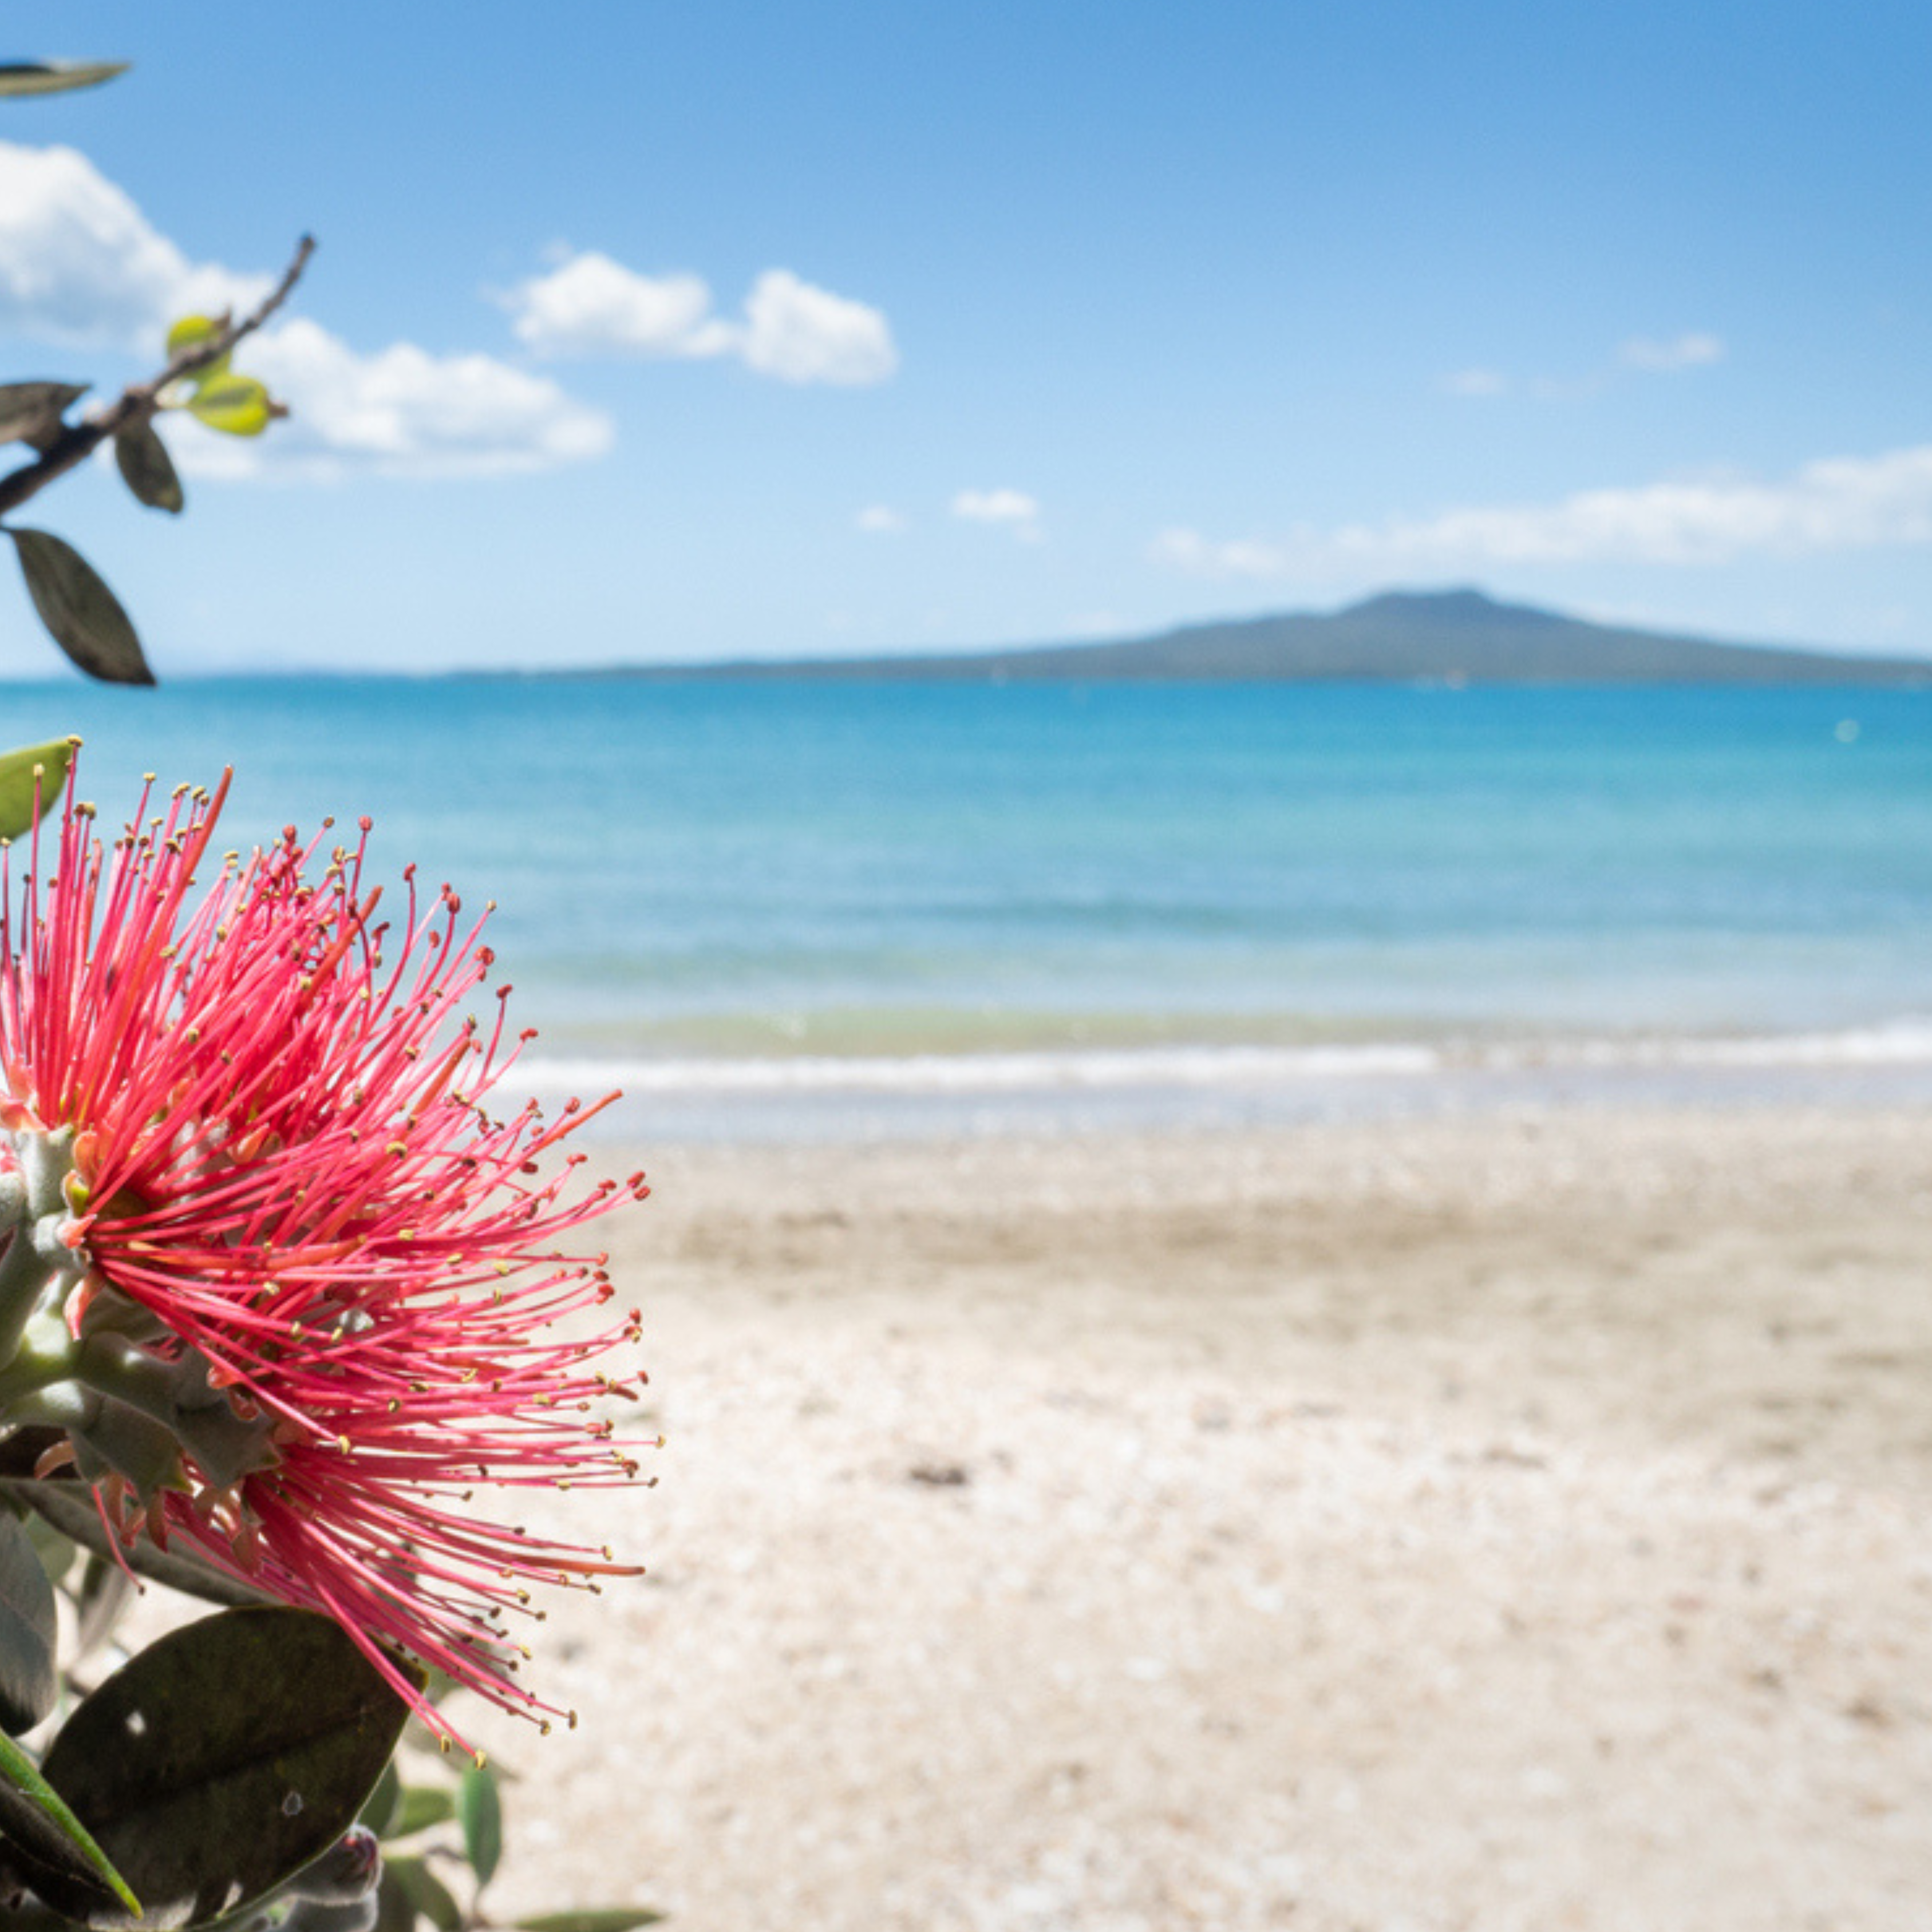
(139, 402)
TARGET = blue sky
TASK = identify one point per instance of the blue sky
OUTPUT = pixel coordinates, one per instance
(676, 331)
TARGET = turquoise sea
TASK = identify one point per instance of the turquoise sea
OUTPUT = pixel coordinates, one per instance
(802, 907)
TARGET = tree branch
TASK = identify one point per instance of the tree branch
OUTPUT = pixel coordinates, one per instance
(139, 403)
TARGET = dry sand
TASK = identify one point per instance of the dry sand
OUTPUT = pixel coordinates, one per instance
(1511, 1522)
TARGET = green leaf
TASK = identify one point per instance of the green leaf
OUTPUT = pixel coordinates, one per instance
(195, 331)
(479, 1810)
(147, 468)
(427, 1893)
(23, 77)
(386, 1802)
(422, 1806)
(29, 1630)
(395, 1910)
(235, 405)
(56, 1551)
(41, 1830)
(593, 1918)
(31, 411)
(31, 780)
(30, 1915)
(103, 1593)
(221, 1761)
(68, 1507)
(191, 331)
(84, 616)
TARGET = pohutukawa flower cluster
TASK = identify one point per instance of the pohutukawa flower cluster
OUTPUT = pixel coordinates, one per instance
(287, 1289)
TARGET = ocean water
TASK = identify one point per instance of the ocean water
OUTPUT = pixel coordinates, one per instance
(778, 904)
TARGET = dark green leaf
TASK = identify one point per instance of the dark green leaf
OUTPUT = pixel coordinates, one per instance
(103, 1593)
(29, 1682)
(56, 1551)
(479, 1810)
(423, 1805)
(147, 468)
(395, 1910)
(84, 616)
(427, 1893)
(69, 1508)
(593, 1918)
(30, 1915)
(45, 1835)
(18, 77)
(30, 784)
(30, 412)
(221, 1761)
(384, 1803)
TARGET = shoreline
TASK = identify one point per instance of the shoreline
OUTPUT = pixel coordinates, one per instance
(1512, 1518)
(930, 1097)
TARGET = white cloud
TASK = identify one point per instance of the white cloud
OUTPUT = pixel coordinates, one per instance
(401, 412)
(1692, 351)
(592, 305)
(79, 262)
(1838, 503)
(589, 305)
(879, 519)
(800, 334)
(996, 506)
(1475, 383)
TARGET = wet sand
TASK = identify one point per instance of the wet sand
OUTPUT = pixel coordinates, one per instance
(1517, 1521)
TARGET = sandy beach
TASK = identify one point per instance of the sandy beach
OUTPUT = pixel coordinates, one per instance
(1517, 1521)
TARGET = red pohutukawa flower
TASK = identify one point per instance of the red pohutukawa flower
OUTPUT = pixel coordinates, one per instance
(295, 1239)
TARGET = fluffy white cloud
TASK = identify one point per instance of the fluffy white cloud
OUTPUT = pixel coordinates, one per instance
(800, 334)
(400, 411)
(996, 506)
(1847, 502)
(1692, 351)
(589, 304)
(80, 263)
(879, 519)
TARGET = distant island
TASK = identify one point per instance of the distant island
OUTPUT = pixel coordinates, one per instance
(1452, 638)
